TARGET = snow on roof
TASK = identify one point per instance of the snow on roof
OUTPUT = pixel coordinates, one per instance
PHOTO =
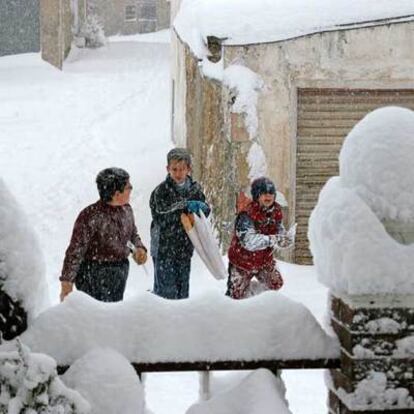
(353, 251)
(245, 21)
(210, 327)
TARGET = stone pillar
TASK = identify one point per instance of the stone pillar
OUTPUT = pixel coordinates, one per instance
(55, 30)
(376, 334)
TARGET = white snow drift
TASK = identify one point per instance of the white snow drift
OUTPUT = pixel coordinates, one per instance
(108, 382)
(259, 393)
(352, 251)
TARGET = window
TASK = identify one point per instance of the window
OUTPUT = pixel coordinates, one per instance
(147, 10)
(130, 13)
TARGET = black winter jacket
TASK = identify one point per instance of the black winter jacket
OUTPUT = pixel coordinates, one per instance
(167, 203)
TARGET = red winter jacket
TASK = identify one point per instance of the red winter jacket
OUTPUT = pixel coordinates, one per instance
(266, 222)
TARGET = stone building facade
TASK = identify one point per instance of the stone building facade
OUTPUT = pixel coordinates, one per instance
(127, 17)
(62, 20)
(317, 87)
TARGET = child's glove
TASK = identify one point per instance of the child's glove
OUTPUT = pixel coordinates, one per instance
(284, 241)
(280, 241)
(194, 206)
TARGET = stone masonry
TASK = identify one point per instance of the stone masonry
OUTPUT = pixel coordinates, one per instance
(369, 329)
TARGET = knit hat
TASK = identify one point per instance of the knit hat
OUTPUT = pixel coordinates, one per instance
(262, 185)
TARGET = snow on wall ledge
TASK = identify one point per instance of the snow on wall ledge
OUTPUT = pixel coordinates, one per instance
(22, 268)
(210, 327)
(270, 21)
(352, 251)
(372, 394)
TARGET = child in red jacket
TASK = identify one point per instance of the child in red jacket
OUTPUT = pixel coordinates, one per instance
(258, 231)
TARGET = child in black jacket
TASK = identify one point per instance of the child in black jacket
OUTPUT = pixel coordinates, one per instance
(171, 249)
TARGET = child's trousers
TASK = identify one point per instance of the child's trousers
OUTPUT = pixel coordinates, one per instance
(239, 280)
(171, 277)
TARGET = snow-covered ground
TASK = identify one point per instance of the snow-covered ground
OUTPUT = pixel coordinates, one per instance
(111, 107)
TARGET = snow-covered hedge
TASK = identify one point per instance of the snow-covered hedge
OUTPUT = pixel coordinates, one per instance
(352, 251)
(29, 384)
(22, 269)
(93, 32)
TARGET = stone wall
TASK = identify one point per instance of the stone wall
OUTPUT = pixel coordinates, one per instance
(378, 57)
(67, 19)
(215, 135)
(213, 161)
(56, 30)
(369, 329)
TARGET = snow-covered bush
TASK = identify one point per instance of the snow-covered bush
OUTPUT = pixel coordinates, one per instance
(108, 381)
(93, 32)
(22, 269)
(29, 384)
(13, 318)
